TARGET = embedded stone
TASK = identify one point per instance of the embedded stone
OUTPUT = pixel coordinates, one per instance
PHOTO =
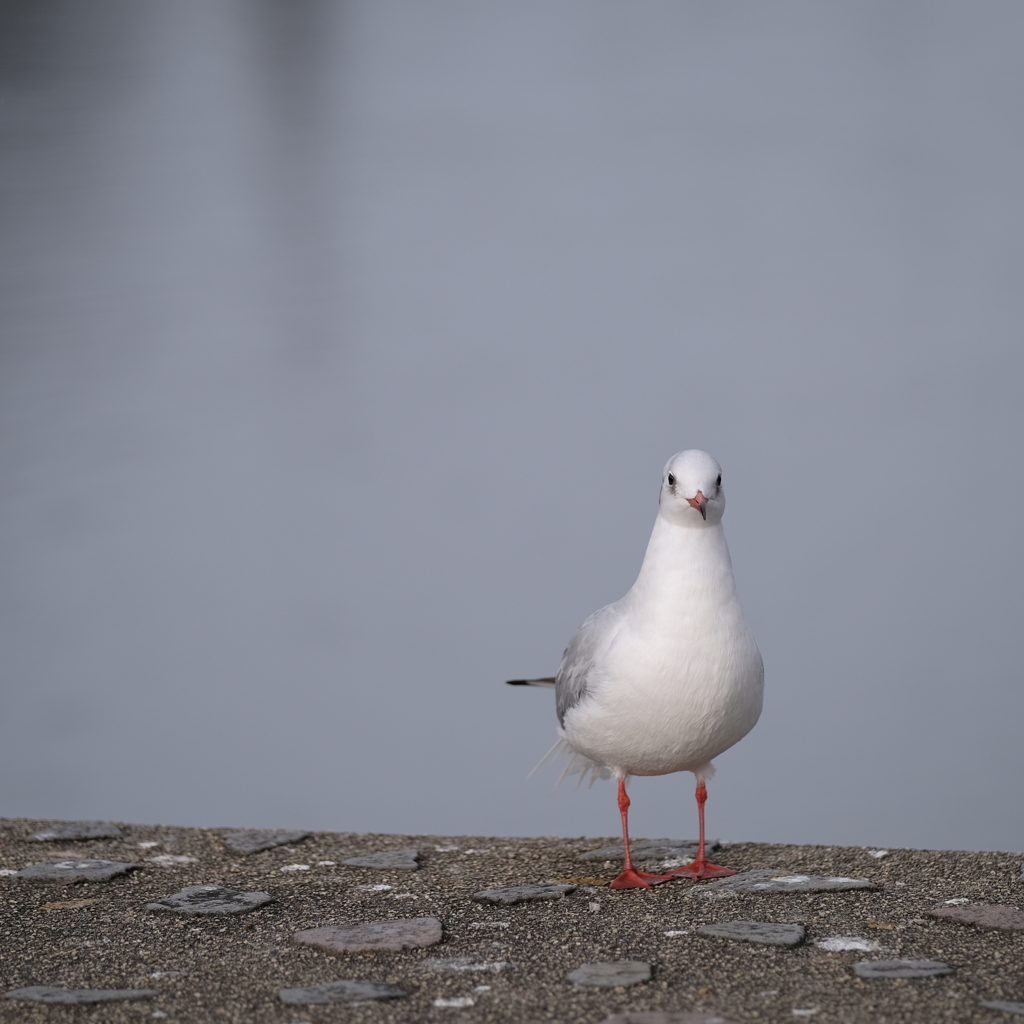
(996, 1004)
(844, 943)
(666, 1017)
(651, 849)
(984, 915)
(210, 899)
(171, 860)
(756, 931)
(524, 893)
(252, 840)
(464, 963)
(53, 994)
(901, 969)
(343, 991)
(405, 860)
(77, 830)
(408, 933)
(779, 881)
(75, 869)
(611, 975)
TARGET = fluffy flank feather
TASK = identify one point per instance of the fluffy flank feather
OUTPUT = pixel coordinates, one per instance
(577, 764)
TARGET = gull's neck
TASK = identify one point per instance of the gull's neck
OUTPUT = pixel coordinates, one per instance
(685, 564)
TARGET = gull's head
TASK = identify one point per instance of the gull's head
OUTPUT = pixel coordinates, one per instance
(691, 489)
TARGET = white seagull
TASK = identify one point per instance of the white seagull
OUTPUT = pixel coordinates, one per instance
(668, 677)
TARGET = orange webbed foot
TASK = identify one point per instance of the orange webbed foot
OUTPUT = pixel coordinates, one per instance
(701, 869)
(631, 878)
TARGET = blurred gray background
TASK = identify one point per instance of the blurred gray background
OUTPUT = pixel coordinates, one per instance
(343, 345)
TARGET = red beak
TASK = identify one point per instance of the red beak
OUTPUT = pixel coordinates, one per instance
(698, 501)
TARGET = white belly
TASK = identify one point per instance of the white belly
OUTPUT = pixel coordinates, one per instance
(656, 705)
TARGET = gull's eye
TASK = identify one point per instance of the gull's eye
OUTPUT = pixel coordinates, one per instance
(718, 482)
(671, 480)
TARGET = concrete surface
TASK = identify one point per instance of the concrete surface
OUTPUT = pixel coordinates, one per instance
(497, 963)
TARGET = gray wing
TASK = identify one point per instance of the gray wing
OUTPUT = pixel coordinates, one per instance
(579, 656)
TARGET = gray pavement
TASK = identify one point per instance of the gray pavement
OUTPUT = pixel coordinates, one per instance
(92, 951)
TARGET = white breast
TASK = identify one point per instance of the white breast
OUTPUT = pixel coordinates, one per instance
(679, 678)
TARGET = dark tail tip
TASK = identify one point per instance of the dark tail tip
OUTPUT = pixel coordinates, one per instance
(517, 682)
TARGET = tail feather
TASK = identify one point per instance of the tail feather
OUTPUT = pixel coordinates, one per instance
(577, 763)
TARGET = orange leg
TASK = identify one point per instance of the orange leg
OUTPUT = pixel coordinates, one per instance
(631, 878)
(701, 867)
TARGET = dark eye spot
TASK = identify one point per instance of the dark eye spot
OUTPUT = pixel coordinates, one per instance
(718, 482)
(671, 480)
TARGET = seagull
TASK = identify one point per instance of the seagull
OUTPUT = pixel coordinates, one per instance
(668, 677)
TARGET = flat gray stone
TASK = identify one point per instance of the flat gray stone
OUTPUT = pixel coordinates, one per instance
(343, 991)
(996, 1004)
(77, 830)
(252, 840)
(408, 933)
(901, 969)
(611, 975)
(51, 994)
(210, 899)
(524, 893)
(405, 859)
(984, 915)
(75, 869)
(464, 963)
(780, 881)
(651, 849)
(666, 1017)
(756, 931)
